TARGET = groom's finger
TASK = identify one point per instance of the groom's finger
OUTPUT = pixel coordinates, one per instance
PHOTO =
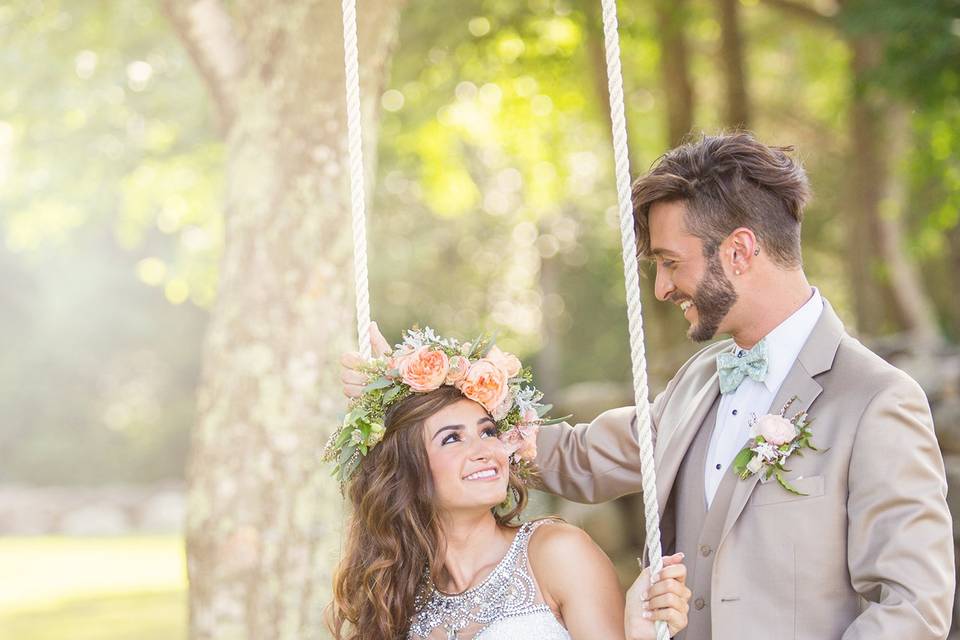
(351, 360)
(378, 343)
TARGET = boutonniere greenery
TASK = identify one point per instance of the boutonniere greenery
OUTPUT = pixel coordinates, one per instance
(773, 439)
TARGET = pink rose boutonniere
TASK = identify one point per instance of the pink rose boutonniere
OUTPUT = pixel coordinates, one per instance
(774, 438)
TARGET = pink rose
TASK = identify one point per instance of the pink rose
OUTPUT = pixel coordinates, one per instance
(508, 362)
(521, 440)
(485, 383)
(775, 429)
(424, 369)
(458, 369)
(530, 416)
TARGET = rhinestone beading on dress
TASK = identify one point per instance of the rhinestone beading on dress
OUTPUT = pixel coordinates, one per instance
(506, 604)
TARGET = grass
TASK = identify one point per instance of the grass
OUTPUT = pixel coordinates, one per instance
(124, 588)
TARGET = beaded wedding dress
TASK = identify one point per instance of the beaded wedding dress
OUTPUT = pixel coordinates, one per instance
(507, 605)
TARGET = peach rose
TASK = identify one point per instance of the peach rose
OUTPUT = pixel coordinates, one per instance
(425, 370)
(399, 357)
(508, 362)
(458, 369)
(485, 383)
(521, 440)
(775, 429)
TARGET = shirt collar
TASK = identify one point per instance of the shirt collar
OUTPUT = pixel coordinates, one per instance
(786, 340)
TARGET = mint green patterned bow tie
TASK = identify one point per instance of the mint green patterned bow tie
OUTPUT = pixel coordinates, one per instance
(734, 367)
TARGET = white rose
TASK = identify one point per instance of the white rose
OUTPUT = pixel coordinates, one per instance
(775, 429)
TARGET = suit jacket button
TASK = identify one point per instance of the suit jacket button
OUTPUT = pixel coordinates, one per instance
(705, 550)
(699, 603)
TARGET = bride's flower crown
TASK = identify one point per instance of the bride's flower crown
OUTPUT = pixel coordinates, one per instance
(424, 362)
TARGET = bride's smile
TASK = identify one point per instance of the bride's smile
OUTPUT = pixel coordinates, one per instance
(467, 460)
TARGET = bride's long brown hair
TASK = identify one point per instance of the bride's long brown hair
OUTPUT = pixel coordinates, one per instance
(393, 533)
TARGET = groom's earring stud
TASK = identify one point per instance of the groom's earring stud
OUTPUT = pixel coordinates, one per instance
(756, 251)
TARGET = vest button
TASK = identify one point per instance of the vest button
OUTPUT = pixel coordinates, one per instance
(699, 603)
(705, 550)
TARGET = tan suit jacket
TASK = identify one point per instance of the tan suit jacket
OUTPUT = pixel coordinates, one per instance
(866, 555)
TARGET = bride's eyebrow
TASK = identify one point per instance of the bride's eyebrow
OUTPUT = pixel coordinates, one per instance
(449, 427)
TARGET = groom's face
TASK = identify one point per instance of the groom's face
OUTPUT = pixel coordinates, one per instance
(697, 284)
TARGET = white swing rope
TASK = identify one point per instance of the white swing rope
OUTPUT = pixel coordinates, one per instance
(357, 189)
(631, 275)
(627, 234)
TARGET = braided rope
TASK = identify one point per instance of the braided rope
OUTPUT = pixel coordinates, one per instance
(357, 204)
(632, 281)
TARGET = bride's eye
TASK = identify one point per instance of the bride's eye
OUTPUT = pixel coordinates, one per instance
(453, 437)
(491, 432)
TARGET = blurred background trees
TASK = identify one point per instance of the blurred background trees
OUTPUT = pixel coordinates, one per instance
(141, 175)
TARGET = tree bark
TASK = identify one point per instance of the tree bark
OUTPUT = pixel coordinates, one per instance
(889, 294)
(263, 513)
(909, 291)
(675, 68)
(867, 172)
(731, 55)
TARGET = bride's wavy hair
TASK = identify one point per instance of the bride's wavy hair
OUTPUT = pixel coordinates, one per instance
(394, 534)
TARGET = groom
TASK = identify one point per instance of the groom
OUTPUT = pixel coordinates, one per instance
(864, 549)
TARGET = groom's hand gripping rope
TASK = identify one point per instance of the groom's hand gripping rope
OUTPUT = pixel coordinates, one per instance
(352, 378)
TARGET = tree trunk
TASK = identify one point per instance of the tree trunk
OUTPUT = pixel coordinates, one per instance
(731, 55)
(675, 68)
(915, 305)
(888, 292)
(868, 171)
(263, 513)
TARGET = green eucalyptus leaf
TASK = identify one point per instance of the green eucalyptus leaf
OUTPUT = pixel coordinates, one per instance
(379, 383)
(391, 394)
(786, 485)
(543, 410)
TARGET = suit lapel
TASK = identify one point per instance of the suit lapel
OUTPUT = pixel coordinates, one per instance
(815, 357)
(669, 456)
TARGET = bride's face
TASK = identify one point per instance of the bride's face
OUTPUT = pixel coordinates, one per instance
(468, 462)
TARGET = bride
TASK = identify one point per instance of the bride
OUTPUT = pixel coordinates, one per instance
(434, 459)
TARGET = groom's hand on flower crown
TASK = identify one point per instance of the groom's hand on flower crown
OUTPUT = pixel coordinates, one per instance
(350, 375)
(664, 596)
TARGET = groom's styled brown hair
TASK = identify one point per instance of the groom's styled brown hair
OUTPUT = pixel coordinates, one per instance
(728, 181)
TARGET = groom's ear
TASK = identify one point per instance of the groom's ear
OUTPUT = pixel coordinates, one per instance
(742, 248)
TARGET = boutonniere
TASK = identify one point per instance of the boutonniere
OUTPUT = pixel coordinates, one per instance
(774, 438)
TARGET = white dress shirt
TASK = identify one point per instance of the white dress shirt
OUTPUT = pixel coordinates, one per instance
(753, 398)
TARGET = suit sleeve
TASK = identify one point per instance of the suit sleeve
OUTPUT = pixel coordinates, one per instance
(900, 539)
(597, 461)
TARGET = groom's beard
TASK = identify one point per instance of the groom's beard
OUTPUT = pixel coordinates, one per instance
(713, 299)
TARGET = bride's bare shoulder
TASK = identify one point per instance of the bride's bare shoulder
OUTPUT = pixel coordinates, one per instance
(557, 547)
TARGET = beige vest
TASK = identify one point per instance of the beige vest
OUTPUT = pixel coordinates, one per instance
(698, 530)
